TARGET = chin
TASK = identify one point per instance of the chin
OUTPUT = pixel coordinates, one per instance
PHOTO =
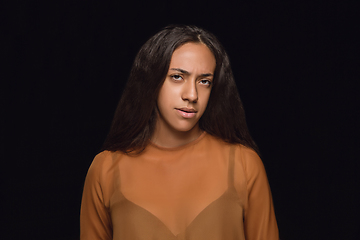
(185, 127)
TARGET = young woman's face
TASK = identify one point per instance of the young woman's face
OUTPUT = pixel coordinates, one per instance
(186, 90)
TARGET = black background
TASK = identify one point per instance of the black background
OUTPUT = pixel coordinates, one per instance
(66, 62)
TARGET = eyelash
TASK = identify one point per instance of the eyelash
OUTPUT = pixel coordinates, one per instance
(208, 82)
(176, 76)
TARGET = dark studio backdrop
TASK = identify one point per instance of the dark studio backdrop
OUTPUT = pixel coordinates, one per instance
(66, 63)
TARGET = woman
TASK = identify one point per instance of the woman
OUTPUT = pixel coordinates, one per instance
(179, 162)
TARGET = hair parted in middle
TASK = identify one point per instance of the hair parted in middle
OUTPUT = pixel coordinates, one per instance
(136, 114)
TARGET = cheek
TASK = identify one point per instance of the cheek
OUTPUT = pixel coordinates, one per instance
(165, 99)
(205, 99)
(168, 94)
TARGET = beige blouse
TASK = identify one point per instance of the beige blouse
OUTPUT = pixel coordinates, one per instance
(207, 189)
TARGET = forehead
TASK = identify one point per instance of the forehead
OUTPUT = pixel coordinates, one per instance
(193, 57)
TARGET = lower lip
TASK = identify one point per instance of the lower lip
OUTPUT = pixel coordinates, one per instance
(186, 114)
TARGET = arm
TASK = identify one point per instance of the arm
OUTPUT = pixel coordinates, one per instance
(95, 221)
(259, 218)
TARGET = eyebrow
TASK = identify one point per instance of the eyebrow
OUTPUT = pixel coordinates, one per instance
(188, 73)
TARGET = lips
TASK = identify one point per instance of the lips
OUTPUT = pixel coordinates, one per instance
(186, 112)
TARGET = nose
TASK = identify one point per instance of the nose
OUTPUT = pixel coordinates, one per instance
(190, 92)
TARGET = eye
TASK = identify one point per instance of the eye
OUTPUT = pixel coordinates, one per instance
(205, 82)
(176, 77)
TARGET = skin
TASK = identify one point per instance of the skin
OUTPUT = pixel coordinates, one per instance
(184, 95)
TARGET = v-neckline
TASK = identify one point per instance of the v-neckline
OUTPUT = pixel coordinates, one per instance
(191, 222)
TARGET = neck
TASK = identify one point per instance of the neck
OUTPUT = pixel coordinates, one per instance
(171, 138)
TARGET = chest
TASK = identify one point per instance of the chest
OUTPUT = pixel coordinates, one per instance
(220, 219)
(174, 192)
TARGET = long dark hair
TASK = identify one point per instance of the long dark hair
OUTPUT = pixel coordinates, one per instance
(135, 116)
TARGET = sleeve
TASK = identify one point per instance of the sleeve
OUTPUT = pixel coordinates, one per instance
(95, 221)
(259, 218)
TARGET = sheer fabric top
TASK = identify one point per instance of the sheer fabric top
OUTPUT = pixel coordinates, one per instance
(207, 189)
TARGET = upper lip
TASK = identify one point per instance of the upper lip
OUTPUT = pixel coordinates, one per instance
(186, 109)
